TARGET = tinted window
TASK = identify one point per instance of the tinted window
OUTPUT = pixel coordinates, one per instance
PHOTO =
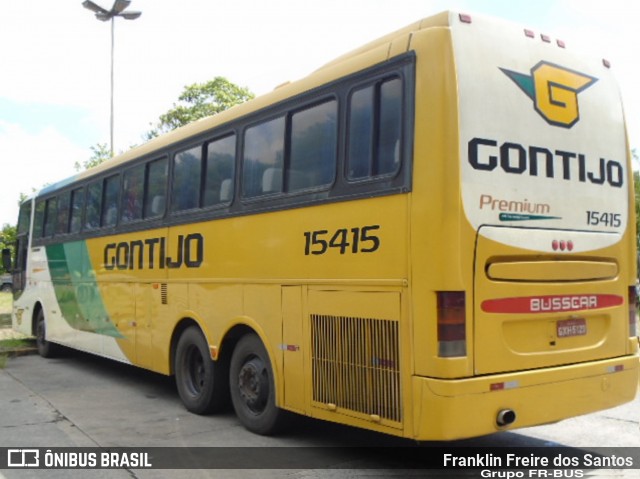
(263, 158)
(156, 192)
(390, 127)
(24, 218)
(361, 133)
(62, 223)
(313, 146)
(38, 221)
(110, 206)
(51, 215)
(375, 119)
(132, 194)
(77, 204)
(220, 167)
(187, 170)
(93, 205)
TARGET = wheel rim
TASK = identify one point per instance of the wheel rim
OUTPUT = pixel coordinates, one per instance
(253, 384)
(195, 371)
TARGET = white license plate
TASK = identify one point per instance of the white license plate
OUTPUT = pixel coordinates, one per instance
(571, 327)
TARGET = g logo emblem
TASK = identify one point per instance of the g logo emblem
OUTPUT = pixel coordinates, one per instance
(554, 91)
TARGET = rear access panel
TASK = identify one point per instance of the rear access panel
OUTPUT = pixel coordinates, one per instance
(541, 310)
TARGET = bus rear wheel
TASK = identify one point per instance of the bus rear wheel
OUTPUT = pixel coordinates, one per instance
(201, 382)
(252, 388)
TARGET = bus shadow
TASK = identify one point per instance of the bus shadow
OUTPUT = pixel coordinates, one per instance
(315, 441)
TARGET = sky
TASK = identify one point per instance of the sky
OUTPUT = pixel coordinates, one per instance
(55, 62)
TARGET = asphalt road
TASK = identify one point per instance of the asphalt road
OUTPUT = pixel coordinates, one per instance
(83, 401)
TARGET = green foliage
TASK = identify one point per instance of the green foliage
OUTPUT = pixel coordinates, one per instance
(201, 100)
(99, 154)
(7, 240)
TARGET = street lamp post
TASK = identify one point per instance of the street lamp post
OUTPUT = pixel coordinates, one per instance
(117, 10)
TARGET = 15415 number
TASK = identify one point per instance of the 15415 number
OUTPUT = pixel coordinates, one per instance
(346, 240)
(599, 218)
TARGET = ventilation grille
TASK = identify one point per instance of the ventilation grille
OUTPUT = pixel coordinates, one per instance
(163, 293)
(356, 365)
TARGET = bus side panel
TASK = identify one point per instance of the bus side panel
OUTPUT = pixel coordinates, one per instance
(441, 242)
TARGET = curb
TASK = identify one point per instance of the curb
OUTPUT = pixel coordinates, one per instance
(16, 352)
(27, 344)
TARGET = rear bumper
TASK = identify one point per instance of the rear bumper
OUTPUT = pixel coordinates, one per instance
(455, 409)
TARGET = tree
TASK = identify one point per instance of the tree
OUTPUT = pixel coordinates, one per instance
(198, 101)
(7, 239)
(100, 153)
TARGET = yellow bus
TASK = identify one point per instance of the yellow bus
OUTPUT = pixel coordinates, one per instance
(430, 237)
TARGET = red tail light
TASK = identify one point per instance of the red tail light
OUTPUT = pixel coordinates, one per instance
(452, 323)
(633, 311)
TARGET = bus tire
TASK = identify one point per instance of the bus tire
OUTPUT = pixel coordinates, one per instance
(200, 381)
(252, 388)
(46, 349)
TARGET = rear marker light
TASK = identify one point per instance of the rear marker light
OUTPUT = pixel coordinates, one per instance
(464, 18)
(452, 323)
(504, 385)
(562, 245)
(615, 369)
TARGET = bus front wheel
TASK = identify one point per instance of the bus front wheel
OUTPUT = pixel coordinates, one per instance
(201, 383)
(252, 388)
(45, 348)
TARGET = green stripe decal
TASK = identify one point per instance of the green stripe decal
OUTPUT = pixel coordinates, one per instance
(76, 289)
(525, 217)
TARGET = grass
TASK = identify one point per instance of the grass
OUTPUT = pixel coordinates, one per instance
(11, 346)
(5, 309)
(6, 301)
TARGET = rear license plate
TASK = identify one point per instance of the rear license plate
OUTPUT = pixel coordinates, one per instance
(571, 327)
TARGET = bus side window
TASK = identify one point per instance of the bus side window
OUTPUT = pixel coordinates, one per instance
(314, 138)
(93, 205)
(220, 167)
(77, 205)
(390, 127)
(187, 171)
(62, 223)
(263, 158)
(375, 129)
(38, 221)
(51, 214)
(360, 133)
(110, 204)
(155, 197)
(132, 194)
